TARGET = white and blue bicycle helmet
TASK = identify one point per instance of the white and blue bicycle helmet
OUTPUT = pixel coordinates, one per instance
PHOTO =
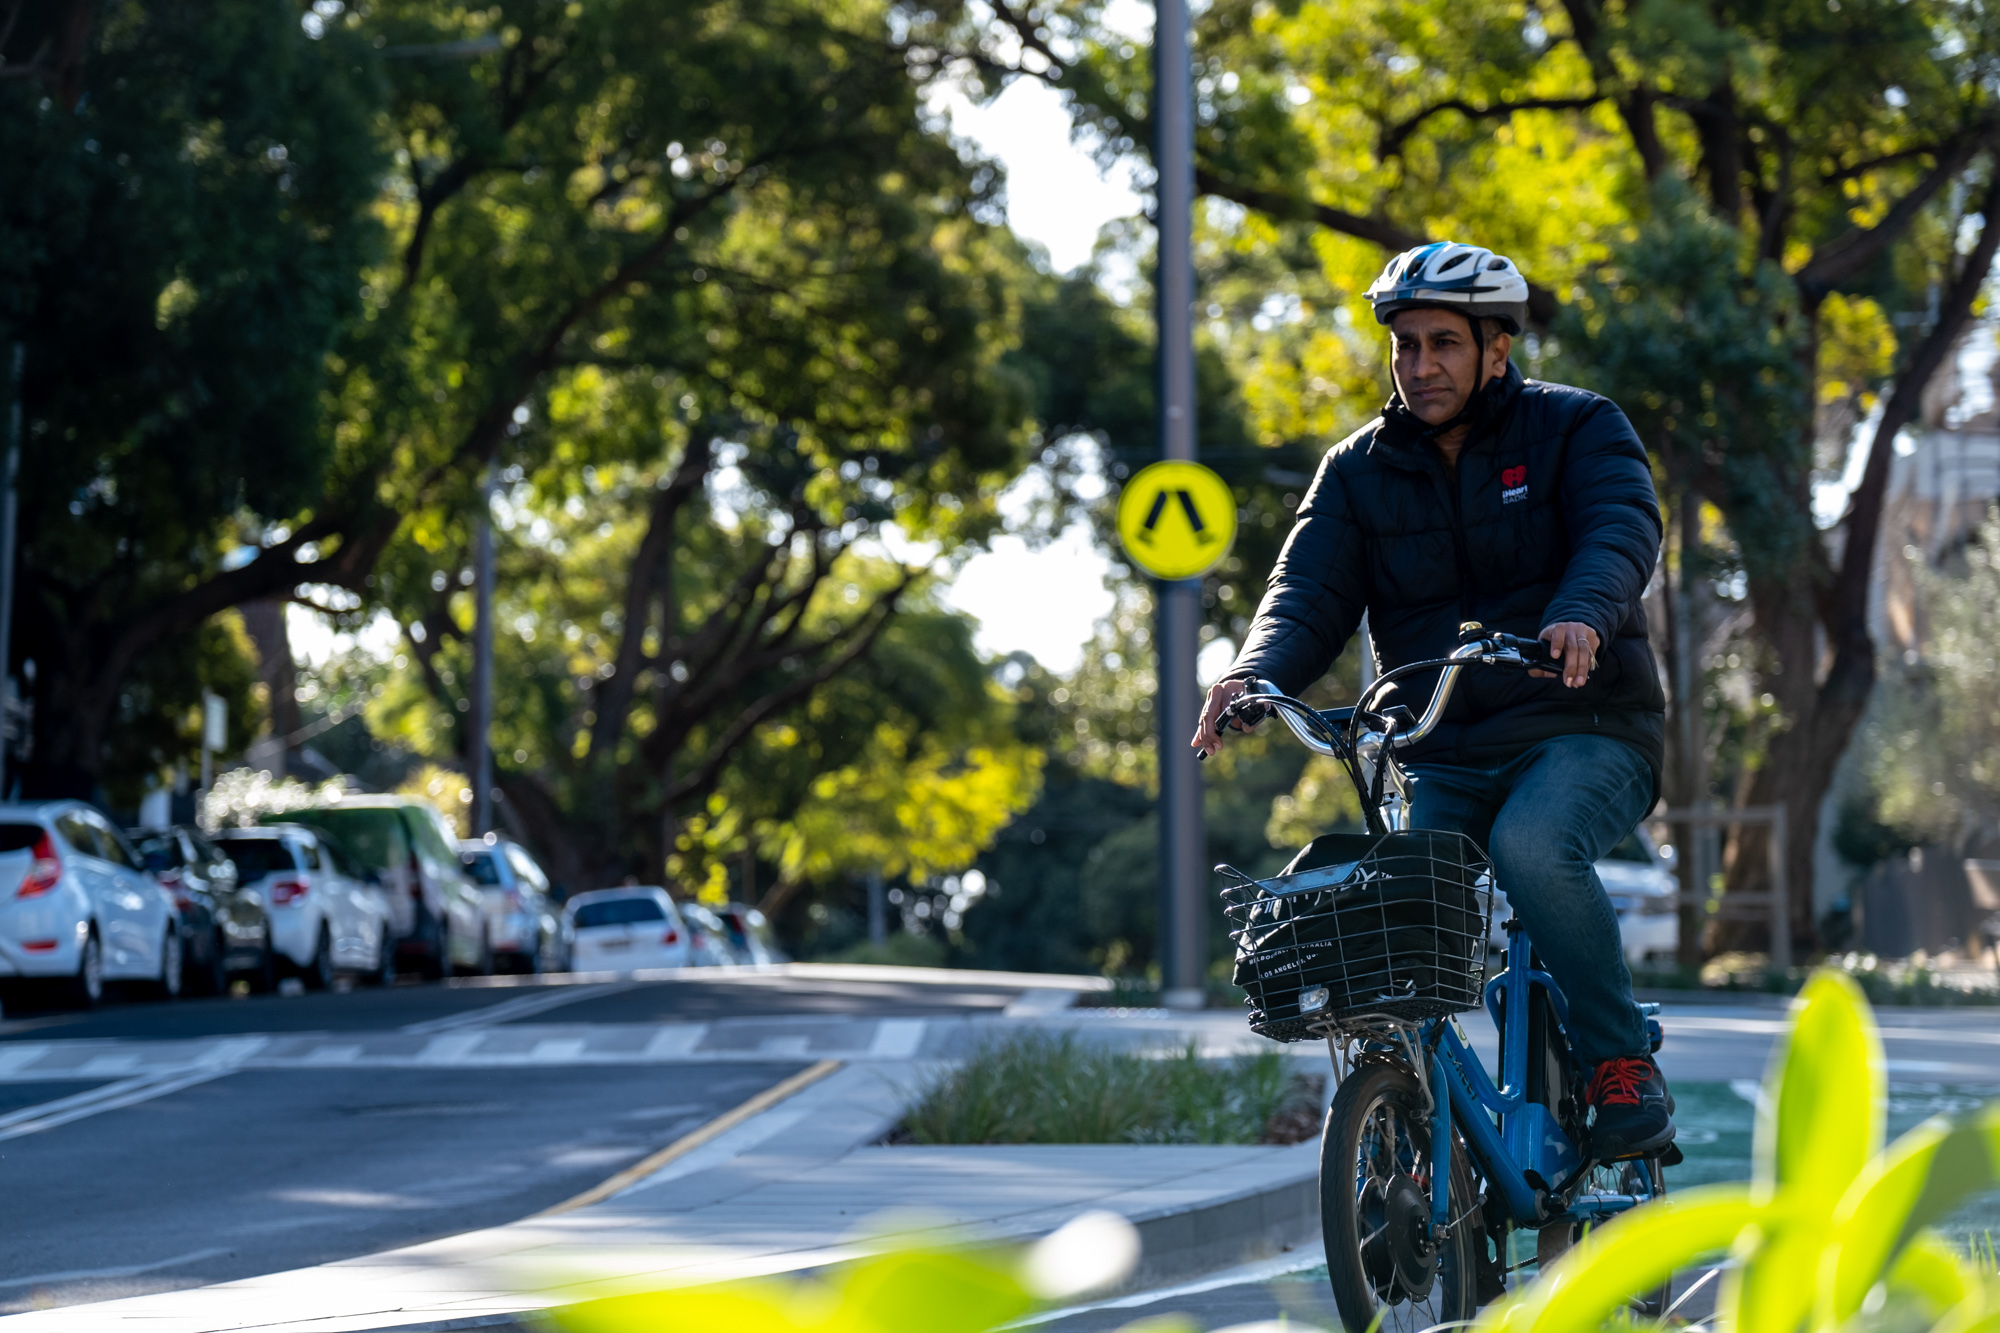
(1467, 278)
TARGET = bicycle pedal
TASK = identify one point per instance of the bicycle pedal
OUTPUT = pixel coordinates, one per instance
(1672, 1156)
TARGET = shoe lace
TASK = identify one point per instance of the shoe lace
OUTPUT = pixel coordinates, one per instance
(1617, 1082)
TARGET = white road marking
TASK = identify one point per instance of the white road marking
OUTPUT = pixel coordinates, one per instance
(110, 1097)
(897, 1038)
(521, 1006)
(20, 1057)
(451, 1048)
(679, 1040)
(123, 1270)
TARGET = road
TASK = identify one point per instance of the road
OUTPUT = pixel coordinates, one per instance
(330, 1125)
(151, 1147)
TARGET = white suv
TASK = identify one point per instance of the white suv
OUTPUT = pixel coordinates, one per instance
(76, 909)
(325, 917)
(525, 927)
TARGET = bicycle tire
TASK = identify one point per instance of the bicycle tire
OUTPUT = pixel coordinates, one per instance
(1385, 1276)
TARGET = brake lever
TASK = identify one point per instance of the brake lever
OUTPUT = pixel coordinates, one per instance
(1237, 715)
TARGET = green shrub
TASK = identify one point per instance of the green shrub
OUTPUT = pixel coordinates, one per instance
(1038, 1087)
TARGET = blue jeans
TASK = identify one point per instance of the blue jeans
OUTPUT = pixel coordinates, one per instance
(1545, 817)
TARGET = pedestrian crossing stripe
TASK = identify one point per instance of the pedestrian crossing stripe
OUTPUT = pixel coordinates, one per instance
(1176, 520)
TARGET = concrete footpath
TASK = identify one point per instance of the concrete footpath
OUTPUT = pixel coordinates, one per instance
(798, 1185)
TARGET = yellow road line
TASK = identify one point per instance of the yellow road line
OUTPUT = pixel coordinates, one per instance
(688, 1142)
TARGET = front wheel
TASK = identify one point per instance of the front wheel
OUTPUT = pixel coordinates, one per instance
(319, 973)
(1389, 1273)
(85, 990)
(173, 964)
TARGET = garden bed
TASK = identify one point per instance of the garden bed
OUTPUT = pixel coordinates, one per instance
(1038, 1087)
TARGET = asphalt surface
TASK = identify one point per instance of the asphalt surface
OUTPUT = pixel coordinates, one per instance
(263, 1170)
(367, 1009)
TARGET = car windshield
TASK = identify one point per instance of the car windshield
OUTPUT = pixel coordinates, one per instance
(257, 857)
(1632, 849)
(369, 837)
(481, 866)
(160, 851)
(618, 912)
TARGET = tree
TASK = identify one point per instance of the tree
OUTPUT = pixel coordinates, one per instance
(1846, 147)
(177, 256)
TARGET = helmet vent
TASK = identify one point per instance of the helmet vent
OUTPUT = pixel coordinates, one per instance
(1495, 262)
(1454, 261)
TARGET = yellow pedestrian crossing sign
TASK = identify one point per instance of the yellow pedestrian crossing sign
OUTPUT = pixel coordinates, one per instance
(1176, 520)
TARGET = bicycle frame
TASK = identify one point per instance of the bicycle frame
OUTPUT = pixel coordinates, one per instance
(1527, 1158)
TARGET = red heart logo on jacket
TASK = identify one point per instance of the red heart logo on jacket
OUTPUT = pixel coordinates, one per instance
(1514, 476)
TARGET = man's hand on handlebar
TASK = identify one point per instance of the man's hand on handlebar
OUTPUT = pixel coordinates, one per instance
(1207, 735)
(1574, 646)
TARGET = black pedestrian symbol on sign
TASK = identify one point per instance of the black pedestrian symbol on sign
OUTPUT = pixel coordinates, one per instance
(1202, 536)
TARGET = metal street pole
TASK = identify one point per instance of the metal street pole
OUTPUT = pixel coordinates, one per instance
(482, 661)
(9, 514)
(1177, 621)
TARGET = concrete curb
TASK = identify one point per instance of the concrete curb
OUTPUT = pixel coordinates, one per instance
(1179, 1242)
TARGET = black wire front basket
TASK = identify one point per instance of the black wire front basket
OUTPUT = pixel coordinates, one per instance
(1363, 930)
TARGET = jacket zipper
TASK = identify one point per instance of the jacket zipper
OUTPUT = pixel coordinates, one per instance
(1454, 486)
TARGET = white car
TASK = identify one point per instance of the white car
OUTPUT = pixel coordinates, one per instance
(524, 926)
(325, 917)
(624, 930)
(1642, 890)
(76, 909)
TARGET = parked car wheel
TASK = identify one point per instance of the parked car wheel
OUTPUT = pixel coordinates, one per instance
(437, 963)
(86, 988)
(263, 978)
(173, 965)
(384, 972)
(318, 974)
(208, 977)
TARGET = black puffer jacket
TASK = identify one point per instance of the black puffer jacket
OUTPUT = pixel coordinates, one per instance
(1551, 517)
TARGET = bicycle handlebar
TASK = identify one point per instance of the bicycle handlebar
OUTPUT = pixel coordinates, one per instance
(1316, 730)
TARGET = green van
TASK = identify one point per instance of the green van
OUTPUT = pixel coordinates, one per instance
(437, 914)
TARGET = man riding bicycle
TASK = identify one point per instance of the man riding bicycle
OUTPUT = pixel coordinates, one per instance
(1479, 495)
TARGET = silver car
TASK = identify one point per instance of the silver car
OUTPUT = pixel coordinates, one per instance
(525, 926)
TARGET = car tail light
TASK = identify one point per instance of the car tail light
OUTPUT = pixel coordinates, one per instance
(671, 937)
(39, 946)
(44, 872)
(288, 890)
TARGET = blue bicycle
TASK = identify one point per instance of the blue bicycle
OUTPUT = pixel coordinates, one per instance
(1373, 941)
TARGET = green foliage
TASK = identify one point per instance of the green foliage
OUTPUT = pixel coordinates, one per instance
(907, 1291)
(1829, 1217)
(180, 250)
(1706, 362)
(1934, 734)
(1040, 1087)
